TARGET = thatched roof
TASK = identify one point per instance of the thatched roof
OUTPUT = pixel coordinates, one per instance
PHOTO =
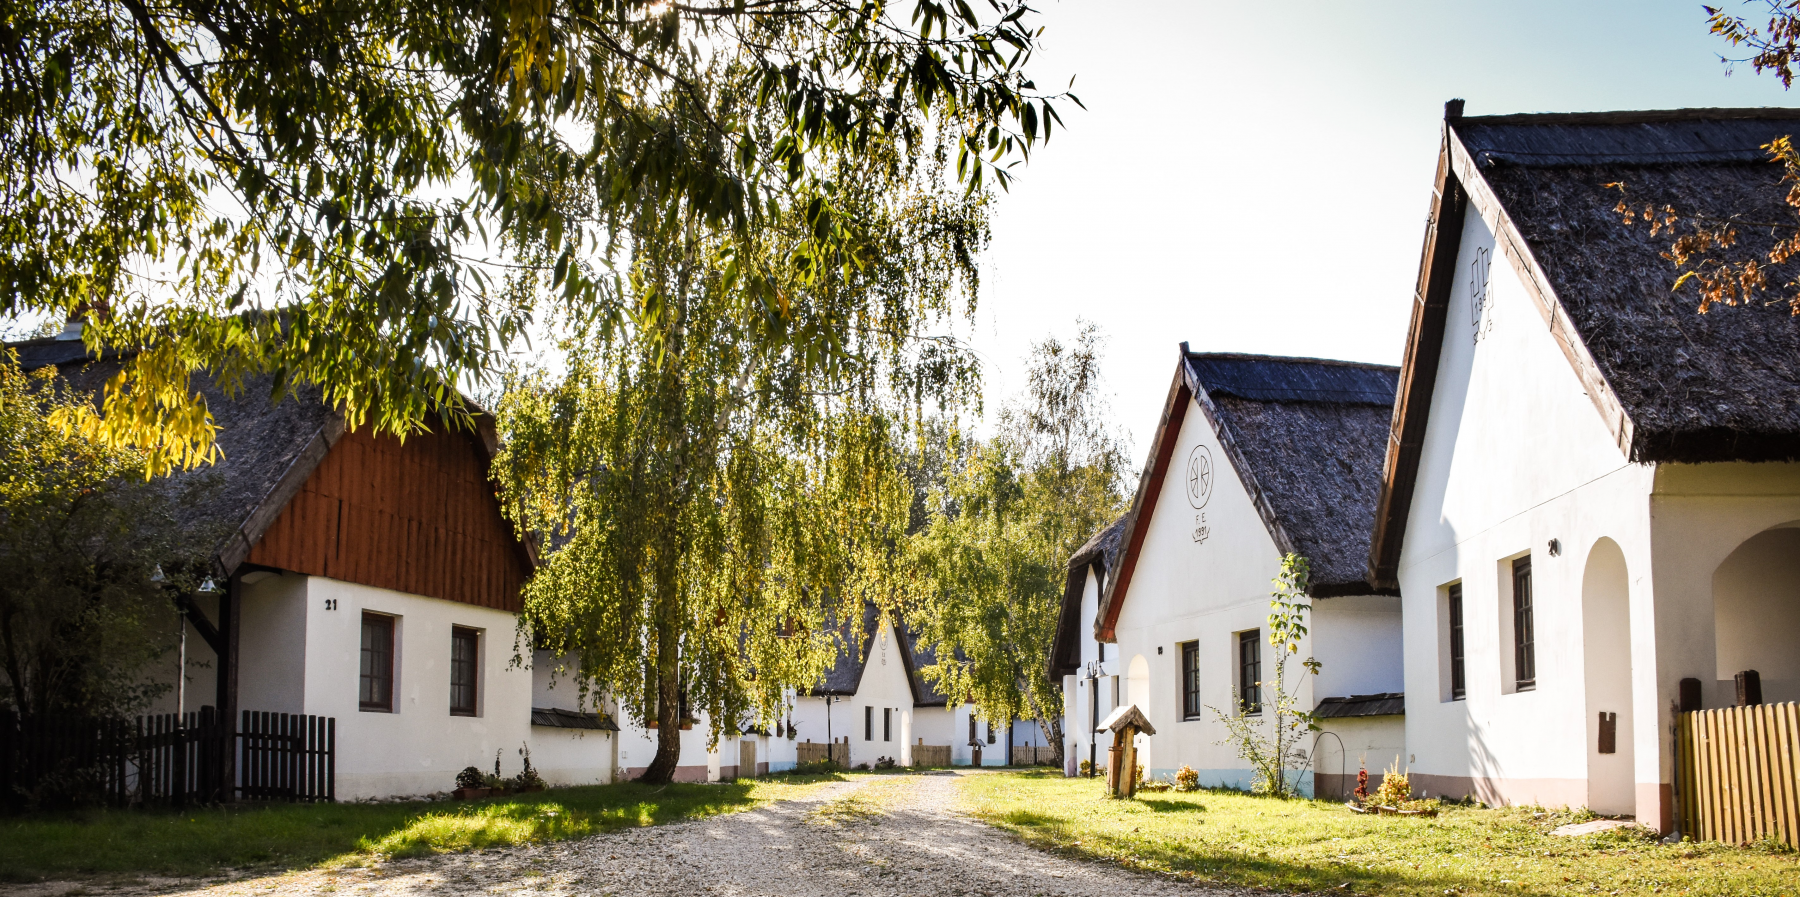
(1304, 435)
(268, 448)
(1307, 436)
(846, 671)
(1092, 559)
(1669, 383)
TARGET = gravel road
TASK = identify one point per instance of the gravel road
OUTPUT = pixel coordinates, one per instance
(873, 837)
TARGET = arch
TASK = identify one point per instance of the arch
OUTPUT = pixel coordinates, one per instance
(1137, 691)
(1756, 615)
(1606, 659)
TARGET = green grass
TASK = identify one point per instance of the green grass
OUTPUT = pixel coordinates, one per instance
(1243, 840)
(111, 843)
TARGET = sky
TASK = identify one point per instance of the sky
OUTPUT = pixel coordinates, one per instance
(1254, 177)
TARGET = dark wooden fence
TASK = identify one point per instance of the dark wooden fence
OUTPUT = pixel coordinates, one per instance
(170, 760)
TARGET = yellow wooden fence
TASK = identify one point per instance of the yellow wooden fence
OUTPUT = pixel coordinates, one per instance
(930, 754)
(1740, 774)
(814, 751)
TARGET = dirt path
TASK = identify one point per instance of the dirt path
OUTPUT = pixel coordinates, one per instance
(875, 837)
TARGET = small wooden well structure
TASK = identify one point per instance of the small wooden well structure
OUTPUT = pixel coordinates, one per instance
(1121, 760)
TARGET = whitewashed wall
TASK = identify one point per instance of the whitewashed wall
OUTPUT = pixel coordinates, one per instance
(1516, 455)
(419, 747)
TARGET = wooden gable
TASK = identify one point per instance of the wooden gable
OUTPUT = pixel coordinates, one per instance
(418, 516)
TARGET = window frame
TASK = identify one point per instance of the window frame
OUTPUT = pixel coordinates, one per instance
(1524, 628)
(1191, 708)
(470, 636)
(1457, 618)
(367, 680)
(887, 724)
(1249, 667)
(868, 722)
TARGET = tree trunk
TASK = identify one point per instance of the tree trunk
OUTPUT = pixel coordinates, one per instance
(668, 686)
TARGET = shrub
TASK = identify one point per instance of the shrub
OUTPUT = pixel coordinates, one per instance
(470, 777)
(864, 767)
(1186, 779)
(528, 777)
(1395, 789)
(1086, 768)
(885, 763)
(1362, 785)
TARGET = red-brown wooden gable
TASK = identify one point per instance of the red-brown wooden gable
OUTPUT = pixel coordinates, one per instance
(417, 517)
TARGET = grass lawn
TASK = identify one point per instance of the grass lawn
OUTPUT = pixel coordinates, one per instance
(204, 842)
(1297, 845)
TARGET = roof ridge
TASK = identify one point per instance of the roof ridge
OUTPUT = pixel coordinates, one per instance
(1636, 117)
(1297, 359)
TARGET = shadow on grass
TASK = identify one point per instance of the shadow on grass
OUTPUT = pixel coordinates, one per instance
(205, 841)
(1165, 805)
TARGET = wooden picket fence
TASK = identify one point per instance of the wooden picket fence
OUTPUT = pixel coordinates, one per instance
(1740, 774)
(1028, 755)
(931, 754)
(166, 759)
(814, 751)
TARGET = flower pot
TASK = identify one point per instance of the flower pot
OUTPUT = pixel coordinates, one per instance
(471, 793)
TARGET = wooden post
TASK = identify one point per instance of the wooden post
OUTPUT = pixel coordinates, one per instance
(231, 605)
(1129, 771)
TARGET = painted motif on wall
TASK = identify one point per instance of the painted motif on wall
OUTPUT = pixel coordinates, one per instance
(1481, 313)
(1199, 488)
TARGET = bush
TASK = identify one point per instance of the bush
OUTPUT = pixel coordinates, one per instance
(1086, 768)
(815, 768)
(528, 777)
(470, 777)
(885, 763)
(1395, 788)
(1186, 779)
(861, 767)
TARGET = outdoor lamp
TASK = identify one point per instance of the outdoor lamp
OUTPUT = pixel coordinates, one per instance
(208, 585)
(157, 574)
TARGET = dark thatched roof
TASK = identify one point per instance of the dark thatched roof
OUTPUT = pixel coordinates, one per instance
(1308, 437)
(846, 672)
(1670, 384)
(1723, 386)
(1390, 703)
(1092, 559)
(267, 448)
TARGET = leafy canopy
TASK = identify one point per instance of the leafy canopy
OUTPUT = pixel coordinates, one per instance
(374, 196)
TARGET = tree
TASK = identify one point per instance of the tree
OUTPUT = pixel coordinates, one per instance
(81, 533)
(372, 196)
(1738, 256)
(1272, 744)
(713, 503)
(990, 565)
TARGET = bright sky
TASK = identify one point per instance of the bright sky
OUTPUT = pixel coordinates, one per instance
(1253, 177)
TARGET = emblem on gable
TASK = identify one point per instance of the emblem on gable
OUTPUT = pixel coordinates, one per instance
(1199, 476)
(1481, 313)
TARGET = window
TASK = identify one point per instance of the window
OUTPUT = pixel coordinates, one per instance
(1524, 651)
(1458, 680)
(377, 682)
(887, 724)
(465, 647)
(1102, 647)
(971, 727)
(1250, 671)
(868, 724)
(990, 733)
(1190, 680)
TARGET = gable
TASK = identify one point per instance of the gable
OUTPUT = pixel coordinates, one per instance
(1668, 383)
(418, 516)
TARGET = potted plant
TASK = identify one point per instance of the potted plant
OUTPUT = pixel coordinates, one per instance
(527, 780)
(470, 784)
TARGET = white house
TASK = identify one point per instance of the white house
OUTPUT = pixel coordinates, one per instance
(875, 700)
(1088, 671)
(1283, 456)
(368, 580)
(1590, 494)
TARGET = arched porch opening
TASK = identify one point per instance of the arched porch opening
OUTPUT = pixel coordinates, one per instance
(1756, 616)
(1606, 659)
